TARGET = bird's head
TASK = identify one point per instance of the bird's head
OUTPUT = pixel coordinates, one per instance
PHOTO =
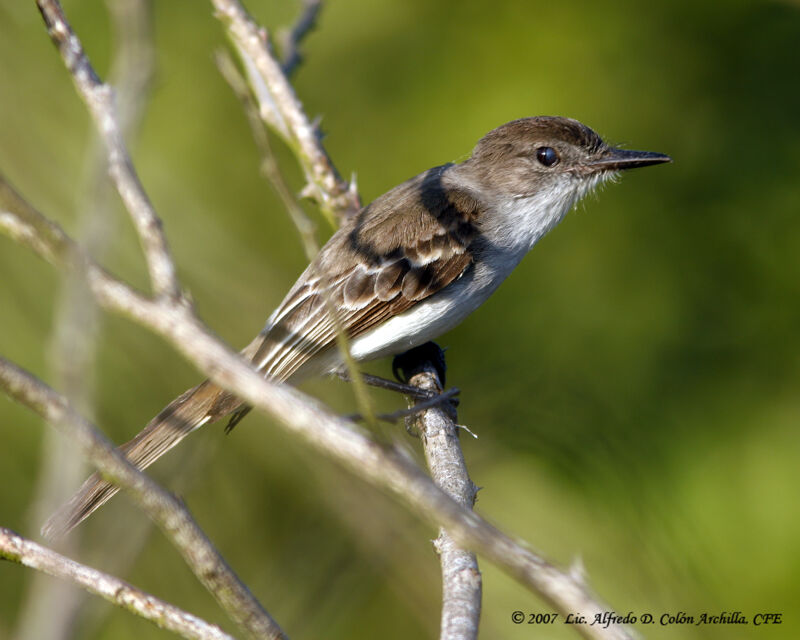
(528, 173)
(533, 155)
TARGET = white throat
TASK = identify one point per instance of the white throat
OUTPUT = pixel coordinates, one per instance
(523, 220)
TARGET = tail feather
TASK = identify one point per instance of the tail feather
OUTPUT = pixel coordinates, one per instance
(192, 409)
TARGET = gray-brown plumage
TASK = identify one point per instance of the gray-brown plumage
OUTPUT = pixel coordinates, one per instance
(406, 268)
(373, 269)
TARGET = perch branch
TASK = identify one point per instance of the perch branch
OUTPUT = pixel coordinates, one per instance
(15, 548)
(461, 579)
(307, 419)
(167, 316)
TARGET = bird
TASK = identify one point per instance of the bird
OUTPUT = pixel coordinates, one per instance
(400, 272)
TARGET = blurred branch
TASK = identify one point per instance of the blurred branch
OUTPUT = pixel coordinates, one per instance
(133, 65)
(291, 38)
(15, 548)
(24, 224)
(169, 316)
(282, 111)
(165, 509)
(461, 578)
(269, 167)
(99, 98)
(304, 417)
(49, 607)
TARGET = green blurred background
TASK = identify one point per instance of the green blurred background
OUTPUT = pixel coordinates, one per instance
(634, 384)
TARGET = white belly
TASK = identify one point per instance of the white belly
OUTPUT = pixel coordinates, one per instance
(432, 317)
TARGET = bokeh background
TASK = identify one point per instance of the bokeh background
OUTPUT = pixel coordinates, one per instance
(634, 384)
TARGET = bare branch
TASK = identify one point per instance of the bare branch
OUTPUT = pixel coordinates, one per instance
(269, 166)
(168, 316)
(307, 419)
(133, 66)
(15, 548)
(291, 39)
(165, 510)
(461, 579)
(49, 608)
(99, 98)
(26, 226)
(280, 108)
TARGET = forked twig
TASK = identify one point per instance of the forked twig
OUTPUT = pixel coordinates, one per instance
(49, 607)
(280, 108)
(99, 98)
(169, 513)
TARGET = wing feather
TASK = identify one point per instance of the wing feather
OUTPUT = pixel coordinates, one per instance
(404, 247)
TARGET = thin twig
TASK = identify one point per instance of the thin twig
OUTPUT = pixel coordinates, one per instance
(166, 510)
(24, 224)
(461, 579)
(15, 548)
(378, 464)
(269, 167)
(49, 608)
(291, 38)
(99, 98)
(280, 109)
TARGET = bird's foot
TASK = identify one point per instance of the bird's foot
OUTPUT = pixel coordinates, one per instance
(423, 405)
(405, 366)
(390, 385)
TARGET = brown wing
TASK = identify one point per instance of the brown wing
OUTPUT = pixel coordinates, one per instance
(404, 247)
(407, 245)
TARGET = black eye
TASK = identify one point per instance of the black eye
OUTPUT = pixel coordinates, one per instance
(547, 156)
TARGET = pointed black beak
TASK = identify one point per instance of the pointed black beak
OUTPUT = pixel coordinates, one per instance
(613, 159)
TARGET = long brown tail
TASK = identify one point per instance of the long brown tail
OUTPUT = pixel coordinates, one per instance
(197, 406)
